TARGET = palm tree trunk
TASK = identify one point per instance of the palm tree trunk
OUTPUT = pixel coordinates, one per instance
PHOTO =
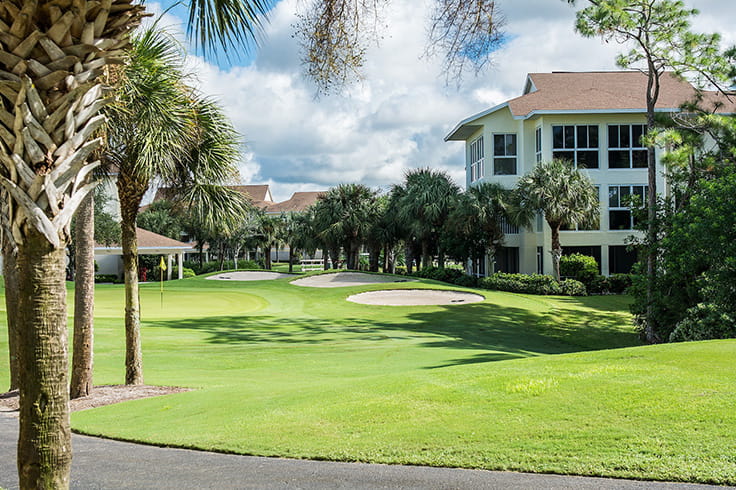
(335, 257)
(84, 297)
(325, 260)
(10, 276)
(268, 257)
(556, 250)
(409, 259)
(441, 258)
(44, 439)
(130, 194)
(425, 255)
(291, 259)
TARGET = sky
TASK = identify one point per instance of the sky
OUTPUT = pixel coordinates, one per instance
(396, 118)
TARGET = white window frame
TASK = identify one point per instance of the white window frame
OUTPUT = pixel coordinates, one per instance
(619, 205)
(576, 146)
(538, 144)
(505, 155)
(477, 159)
(630, 149)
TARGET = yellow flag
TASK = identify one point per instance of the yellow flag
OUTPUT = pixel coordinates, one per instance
(162, 265)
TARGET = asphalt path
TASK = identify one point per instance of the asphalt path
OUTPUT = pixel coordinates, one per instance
(101, 463)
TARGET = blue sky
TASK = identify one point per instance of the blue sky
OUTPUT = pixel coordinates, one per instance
(396, 118)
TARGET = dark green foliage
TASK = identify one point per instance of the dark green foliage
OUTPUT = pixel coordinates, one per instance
(437, 274)
(106, 278)
(521, 283)
(580, 267)
(619, 283)
(214, 266)
(162, 217)
(466, 281)
(703, 322)
(571, 287)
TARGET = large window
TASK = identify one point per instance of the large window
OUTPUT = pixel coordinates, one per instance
(538, 144)
(625, 148)
(592, 226)
(506, 260)
(620, 259)
(577, 144)
(477, 169)
(504, 154)
(620, 216)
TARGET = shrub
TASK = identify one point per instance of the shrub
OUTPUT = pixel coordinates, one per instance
(599, 285)
(580, 267)
(106, 278)
(619, 283)
(704, 321)
(187, 272)
(437, 274)
(521, 283)
(400, 270)
(571, 287)
(214, 266)
(466, 281)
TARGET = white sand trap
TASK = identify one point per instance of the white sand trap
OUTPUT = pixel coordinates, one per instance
(415, 297)
(344, 279)
(249, 276)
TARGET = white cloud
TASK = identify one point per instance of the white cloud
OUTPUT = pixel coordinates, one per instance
(397, 117)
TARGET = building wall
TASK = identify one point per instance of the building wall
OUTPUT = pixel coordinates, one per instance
(529, 240)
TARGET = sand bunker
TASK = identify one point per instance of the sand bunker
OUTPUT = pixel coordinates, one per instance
(415, 297)
(345, 279)
(249, 276)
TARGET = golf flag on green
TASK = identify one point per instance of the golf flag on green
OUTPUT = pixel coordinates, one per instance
(162, 268)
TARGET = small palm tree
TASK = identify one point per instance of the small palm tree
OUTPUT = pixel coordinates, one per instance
(427, 198)
(154, 108)
(564, 195)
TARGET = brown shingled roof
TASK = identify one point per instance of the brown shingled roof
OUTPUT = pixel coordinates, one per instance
(603, 91)
(298, 203)
(618, 90)
(149, 239)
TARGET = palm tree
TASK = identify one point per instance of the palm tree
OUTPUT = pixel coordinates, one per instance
(563, 194)
(52, 54)
(477, 220)
(344, 215)
(428, 197)
(153, 108)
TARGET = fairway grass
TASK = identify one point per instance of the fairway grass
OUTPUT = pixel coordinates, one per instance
(525, 383)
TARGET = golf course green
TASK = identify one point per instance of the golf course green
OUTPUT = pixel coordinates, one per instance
(516, 382)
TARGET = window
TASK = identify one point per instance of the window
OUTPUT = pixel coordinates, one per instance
(540, 222)
(577, 144)
(507, 260)
(620, 259)
(504, 154)
(619, 212)
(594, 226)
(476, 160)
(625, 149)
(540, 260)
(538, 144)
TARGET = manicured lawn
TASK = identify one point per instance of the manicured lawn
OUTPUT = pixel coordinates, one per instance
(517, 382)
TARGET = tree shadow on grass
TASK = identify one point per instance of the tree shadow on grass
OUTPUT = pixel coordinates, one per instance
(502, 332)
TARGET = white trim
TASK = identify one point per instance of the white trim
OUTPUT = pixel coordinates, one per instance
(474, 117)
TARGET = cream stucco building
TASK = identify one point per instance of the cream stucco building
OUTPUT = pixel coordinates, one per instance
(594, 119)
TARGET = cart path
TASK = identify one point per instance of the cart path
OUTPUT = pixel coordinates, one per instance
(102, 464)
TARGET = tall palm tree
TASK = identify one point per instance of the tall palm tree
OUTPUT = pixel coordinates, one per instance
(51, 55)
(344, 214)
(478, 219)
(154, 108)
(428, 197)
(563, 194)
